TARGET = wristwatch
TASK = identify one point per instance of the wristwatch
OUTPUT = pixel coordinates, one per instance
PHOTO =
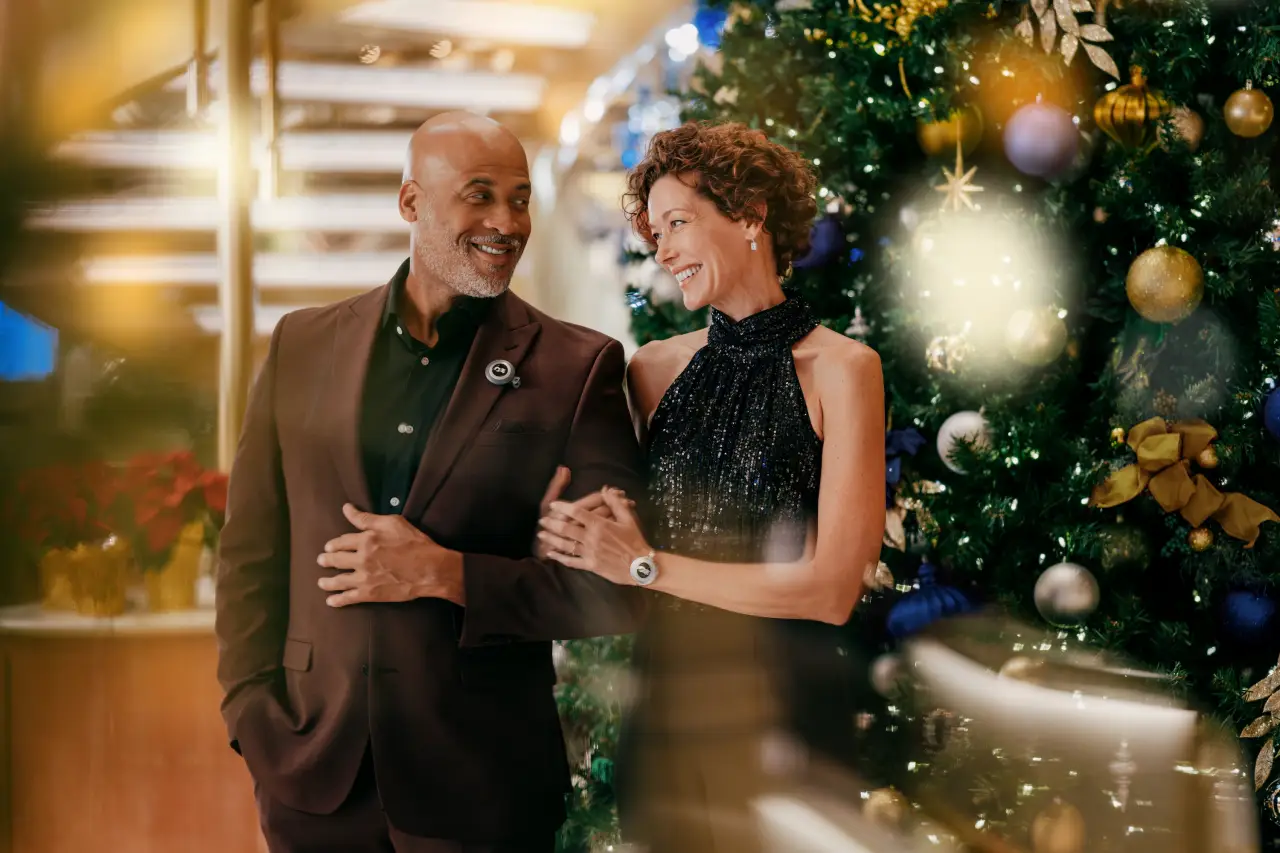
(644, 570)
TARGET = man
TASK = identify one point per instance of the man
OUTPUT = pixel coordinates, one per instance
(383, 630)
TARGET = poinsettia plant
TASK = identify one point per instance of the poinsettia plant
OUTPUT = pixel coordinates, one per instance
(63, 505)
(168, 491)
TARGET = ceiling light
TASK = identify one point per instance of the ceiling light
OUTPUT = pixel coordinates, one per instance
(500, 22)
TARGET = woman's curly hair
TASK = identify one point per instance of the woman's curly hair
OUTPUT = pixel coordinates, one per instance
(737, 168)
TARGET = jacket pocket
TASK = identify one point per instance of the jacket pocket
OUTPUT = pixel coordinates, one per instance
(297, 655)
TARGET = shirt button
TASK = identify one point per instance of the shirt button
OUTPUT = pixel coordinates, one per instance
(394, 502)
(425, 361)
(399, 331)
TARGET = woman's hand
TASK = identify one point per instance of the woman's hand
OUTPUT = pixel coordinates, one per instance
(579, 538)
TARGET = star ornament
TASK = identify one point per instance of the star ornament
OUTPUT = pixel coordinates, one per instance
(957, 186)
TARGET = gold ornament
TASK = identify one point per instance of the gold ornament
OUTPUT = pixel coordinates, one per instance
(1035, 337)
(1248, 112)
(1163, 450)
(1164, 403)
(1058, 829)
(886, 807)
(947, 353)
(1131, 114)
(1022, 668)
(1208, 458)
(1059, 16)
(957, 185)
(963, 126)
(1187, 126)
(1200, 539)
(899, 17)
(1073, 349)
(1117, 435)
(1165, 284)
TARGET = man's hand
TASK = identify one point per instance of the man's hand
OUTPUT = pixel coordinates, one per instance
(388, 560)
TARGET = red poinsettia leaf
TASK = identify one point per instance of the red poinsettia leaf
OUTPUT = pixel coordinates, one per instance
(215, 492)
(163, 530)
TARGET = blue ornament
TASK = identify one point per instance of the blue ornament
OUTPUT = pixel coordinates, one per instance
(896, 443)
(1248, 617)
(1271, 800)
(926, 605)
(1042, 140)
(1271, 414)
(855, 255)
(710, 24)
(826, 242)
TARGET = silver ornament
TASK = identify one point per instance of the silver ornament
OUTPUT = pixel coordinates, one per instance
(886, 674)
(970, 426)
(1066, 594)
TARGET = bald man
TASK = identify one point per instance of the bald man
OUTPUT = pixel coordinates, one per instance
(384, 629)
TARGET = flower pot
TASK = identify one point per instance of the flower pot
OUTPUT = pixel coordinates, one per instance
(55, 580)
(99, 576)
(173, 587)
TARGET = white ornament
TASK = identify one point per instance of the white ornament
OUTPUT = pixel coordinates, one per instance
(968, 425)
(886, 674)
(1066, 594)
(859, 328)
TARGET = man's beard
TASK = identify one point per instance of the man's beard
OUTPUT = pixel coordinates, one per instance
(454, 265)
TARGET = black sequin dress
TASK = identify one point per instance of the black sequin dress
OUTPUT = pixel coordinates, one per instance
(733, 474)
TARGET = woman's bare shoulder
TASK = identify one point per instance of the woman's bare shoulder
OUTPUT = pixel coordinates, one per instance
(657, 364)
(837, 358)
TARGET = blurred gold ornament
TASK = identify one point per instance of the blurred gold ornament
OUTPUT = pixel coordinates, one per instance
(1208, 457)
(1187, 126)
(886, 807)
(1059, 16)
(815, 35)
(947, 353)
(940, 137)
(1035, 336)
(1248, 112)
(1164, 403)
(1200, 539)
(1165, 284)
(1117, 435)
(1022, 668)
(1131, 114)
(1059, 828)
(899, 17)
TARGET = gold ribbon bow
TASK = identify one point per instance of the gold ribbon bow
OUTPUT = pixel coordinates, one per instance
(1163, 468)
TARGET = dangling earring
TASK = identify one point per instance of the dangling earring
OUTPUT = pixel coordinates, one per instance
(753, 245)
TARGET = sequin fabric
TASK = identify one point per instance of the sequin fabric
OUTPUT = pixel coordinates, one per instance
(733, 461)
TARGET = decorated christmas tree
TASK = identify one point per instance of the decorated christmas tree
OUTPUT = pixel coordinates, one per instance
(1055, 221)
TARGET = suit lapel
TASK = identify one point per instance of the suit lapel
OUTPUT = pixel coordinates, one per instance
(342, 400)
(506, 333)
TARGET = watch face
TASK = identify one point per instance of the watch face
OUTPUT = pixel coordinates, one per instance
(643, 571)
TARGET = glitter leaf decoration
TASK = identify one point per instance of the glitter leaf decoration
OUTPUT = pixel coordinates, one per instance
(1264, 688)
(1066, 18)
(1102, 59)
(1056, 18)
(1273, 703)
(1070, 44)
(1262, 767)
(1261, 726)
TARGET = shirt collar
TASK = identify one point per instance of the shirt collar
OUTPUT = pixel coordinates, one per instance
(467, 313)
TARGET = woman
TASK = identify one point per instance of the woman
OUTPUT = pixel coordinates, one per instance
(764, 437)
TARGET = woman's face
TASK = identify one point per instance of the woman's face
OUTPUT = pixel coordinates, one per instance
(705, 250)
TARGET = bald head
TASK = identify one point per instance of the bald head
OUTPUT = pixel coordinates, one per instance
(458, 131)
(465, 195)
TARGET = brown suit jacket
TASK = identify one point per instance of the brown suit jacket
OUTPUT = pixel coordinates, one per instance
(457, 703)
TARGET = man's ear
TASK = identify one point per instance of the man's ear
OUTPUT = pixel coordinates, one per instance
(410, 195)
